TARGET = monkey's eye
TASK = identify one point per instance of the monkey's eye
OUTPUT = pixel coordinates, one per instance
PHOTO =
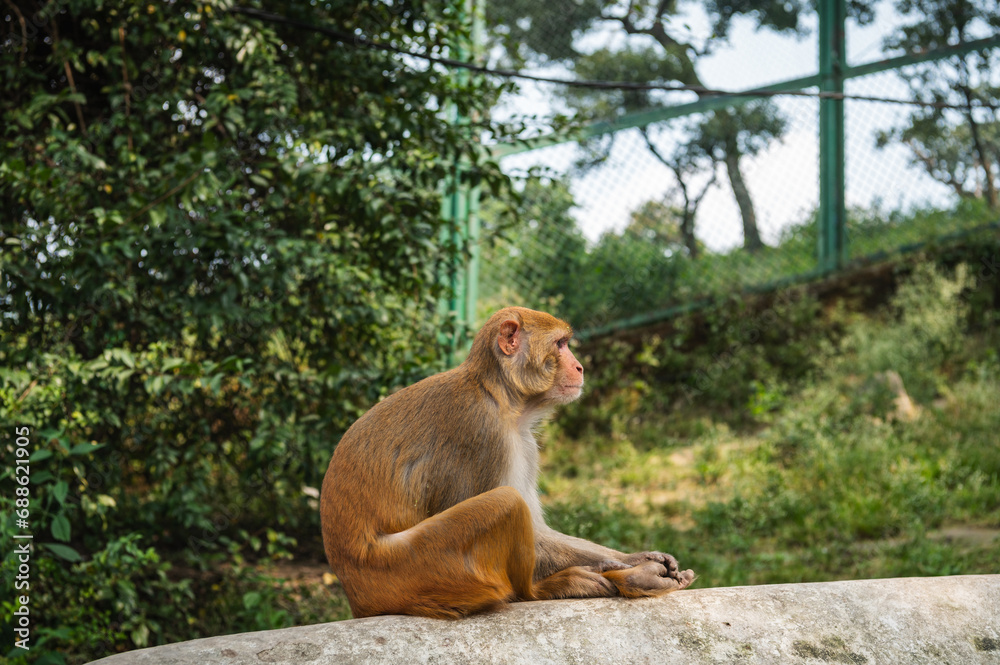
(560, 343)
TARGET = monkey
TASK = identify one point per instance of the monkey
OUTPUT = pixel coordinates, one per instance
(430, 504)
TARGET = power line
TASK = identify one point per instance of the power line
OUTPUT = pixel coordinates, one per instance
(360, 41)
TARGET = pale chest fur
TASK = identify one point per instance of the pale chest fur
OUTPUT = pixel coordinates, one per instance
(522, 471)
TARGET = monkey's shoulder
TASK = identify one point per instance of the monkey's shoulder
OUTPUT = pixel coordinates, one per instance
(440, 397)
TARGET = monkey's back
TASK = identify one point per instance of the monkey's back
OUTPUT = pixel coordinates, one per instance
(414, 454)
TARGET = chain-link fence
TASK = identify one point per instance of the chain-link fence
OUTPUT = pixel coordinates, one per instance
(632, 225)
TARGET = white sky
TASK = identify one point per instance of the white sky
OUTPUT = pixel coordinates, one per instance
(783, 180)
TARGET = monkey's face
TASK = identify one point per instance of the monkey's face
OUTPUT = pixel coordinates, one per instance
(532, 347)
(568, 384)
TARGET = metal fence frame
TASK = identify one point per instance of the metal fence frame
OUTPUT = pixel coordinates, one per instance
(461, 203)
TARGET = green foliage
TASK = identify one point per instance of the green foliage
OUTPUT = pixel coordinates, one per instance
(549, 34)
(611, 526)
(216, 252)
(644, 63)
(621, 273)
(927, 332)
(541, 248)
(822, 474)
(745, 130)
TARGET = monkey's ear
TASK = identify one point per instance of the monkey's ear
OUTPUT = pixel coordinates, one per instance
(509, 338)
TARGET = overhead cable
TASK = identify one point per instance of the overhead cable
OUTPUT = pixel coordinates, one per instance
(360, 41)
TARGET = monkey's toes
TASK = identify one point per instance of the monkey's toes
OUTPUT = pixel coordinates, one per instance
(651, 575)
(684, 578)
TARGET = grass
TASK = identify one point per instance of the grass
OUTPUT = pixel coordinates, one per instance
(831, 480)
(818, 495)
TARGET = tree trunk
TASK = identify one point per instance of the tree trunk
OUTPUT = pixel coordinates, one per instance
(687, 232)
(984, 158)
(751, 236)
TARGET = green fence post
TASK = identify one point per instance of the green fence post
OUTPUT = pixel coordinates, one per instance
(832, 66)
(447, 274)
(459, 282)
(459, 208)
(472, 231)
(472, 234)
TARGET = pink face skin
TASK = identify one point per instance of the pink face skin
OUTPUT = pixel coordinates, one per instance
(570, 382)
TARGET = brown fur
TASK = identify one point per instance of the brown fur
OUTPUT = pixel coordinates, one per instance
(417, 508)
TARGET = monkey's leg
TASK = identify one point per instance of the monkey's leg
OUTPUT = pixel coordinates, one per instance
(627, 573)
(575, 582)
(476, 555)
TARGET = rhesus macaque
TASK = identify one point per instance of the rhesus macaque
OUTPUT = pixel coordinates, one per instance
(430, 505)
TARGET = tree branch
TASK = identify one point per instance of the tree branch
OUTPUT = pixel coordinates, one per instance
(653, 149)
(128, 89)
(930, 165)
(24, 29)
(160, 199)
(69, 78)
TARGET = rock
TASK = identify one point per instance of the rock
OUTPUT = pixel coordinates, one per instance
(906, 410)
(907, 620)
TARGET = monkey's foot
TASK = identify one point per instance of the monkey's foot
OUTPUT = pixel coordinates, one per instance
(649, 578)
(657, 571)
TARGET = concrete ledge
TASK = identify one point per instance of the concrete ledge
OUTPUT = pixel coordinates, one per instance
(911, 620)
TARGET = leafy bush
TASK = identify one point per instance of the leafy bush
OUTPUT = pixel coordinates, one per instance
(927, 331)
(821, 475)
(215, 256)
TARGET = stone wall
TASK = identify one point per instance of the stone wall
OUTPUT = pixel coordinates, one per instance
(911, 620)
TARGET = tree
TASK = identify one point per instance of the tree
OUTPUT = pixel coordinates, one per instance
(217, 249)
(959, 148)
(538, 258)
(623, 274)
(656, 47)
(666, 226)
(541, 259)
(730, 136)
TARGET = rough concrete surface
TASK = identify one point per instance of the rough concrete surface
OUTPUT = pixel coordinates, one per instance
(910, 620)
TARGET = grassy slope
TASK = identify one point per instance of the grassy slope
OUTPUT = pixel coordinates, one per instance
(831, 479)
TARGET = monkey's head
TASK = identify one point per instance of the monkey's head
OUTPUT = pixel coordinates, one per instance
(532, 351)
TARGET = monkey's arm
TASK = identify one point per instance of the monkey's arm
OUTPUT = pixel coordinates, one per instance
(556, 551)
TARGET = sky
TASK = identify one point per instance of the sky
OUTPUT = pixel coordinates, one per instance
(783, 180)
